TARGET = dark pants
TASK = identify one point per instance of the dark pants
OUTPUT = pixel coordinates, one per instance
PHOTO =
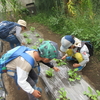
(12, 39)
(32, 79)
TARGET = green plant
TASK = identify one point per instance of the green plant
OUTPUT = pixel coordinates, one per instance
(37, 35)
(34, 47)
(63, 94)
(32, 29)
(71, 8)
(1, 98)
(91, 95)
(3, 3)
(78, 26)
(41, 40)
(47, 5)
(60, 62)
(12, 9)
(28, 41)
(25, 35)
(49, 72)
(37, 43)
(73, 75)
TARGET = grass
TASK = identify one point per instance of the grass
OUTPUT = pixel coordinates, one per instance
(83, 27)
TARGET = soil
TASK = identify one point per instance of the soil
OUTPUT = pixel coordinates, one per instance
(48, 76)
(91, 72)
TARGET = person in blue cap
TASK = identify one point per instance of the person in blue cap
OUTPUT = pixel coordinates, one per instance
(70, 45)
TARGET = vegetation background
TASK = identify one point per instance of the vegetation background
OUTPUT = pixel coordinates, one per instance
(80, 18)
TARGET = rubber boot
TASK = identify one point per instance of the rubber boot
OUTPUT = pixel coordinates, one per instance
(80, 68)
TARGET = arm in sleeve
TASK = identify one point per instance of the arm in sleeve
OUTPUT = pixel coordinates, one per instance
(50, 64)
(18, 35)
(22, 80)
(85, 54)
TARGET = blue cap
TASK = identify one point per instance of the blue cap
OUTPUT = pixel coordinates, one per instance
(66, 42)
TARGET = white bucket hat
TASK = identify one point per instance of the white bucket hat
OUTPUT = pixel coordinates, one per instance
(22, 22)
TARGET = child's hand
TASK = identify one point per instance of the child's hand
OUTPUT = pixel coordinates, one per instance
(56, 69)
(23, 43)
(64, 57)
(76, 65)
(36, 93)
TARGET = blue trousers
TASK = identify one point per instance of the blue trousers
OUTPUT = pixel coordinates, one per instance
(12, 39)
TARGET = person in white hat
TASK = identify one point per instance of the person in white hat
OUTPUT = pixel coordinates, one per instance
(70, 45)
(14, 37)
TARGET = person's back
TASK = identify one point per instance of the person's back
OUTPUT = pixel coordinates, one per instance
(13, 36)
(26, 76)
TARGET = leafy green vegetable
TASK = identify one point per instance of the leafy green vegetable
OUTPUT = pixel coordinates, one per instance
(91, 95)
(62, 95)
(73, 75)
(49, 72)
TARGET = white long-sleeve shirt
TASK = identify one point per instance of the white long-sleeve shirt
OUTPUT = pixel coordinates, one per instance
(22, 68)
(84, 51)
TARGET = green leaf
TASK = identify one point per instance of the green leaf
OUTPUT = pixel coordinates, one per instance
(75, 74)
(89, 95)
(32, 29)
(90, 89)
(98, 92)
(60, 92)
(64, 93)
(49, 72)
(71, 79)
(76, 69)
(37, 35)
(61, 96)
(78, 78)
(57, 99)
